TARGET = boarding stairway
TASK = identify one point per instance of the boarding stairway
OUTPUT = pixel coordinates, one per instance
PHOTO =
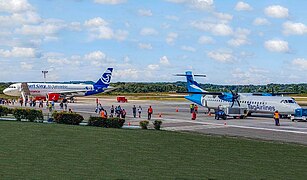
(25, 92)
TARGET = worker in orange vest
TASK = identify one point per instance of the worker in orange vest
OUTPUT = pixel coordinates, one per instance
(150, 111)
(276, 118)
(103, 114)
(196, 109)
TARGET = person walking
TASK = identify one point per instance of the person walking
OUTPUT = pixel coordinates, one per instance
(134, 111)
(61, 105)
(124, 113)
(149, 111)
(191, 108)
(140, 111)
(276, 118)
(65, 106)
(112, 111)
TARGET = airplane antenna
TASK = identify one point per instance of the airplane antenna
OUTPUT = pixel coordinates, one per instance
(45, 72)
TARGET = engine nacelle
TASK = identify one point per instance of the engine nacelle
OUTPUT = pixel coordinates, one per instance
(53, 97)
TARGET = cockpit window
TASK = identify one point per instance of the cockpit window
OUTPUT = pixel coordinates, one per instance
(291, 101)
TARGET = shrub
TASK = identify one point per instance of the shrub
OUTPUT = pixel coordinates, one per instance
(113, 123)
(106, 122)
(157, 124)
(33, 114)
(4, 111)
(67, 118)
(19, 114)
(29, 114)
(144, 124)
(95, 121)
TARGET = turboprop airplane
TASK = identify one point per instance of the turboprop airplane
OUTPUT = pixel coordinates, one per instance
(254, 102)
(55, 91)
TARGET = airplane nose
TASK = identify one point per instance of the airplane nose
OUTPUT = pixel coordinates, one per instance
(5, 91)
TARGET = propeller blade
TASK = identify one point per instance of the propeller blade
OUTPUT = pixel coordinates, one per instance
(238, 103)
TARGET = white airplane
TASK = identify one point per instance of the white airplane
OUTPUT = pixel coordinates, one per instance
(55, 91)
(254, 102)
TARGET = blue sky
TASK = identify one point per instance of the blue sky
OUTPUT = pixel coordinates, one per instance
(232, 42)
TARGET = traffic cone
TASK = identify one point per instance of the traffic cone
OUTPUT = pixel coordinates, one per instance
(128, 123)
(177, 110)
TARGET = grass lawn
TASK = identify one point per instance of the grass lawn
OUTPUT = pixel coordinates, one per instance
(53, 151)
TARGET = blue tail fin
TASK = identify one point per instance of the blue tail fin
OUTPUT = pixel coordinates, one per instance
(192, 85)
(105, 79)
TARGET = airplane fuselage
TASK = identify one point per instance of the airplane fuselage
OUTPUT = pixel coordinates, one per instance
(255, 104)
(43, 89)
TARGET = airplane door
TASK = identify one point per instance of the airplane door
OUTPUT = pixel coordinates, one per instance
(204, 102)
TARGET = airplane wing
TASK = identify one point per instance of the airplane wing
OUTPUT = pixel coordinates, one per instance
(78, 92)
(274, 94)
(206, 93)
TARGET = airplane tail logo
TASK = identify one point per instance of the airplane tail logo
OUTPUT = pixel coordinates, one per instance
(192, 85)
(105, 78)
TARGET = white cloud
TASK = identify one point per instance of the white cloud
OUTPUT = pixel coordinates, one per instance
(164, 61)
(96, 55)
(131, 73)
(290, 28)
(188, 48)
(153, 67)
(99, 29)
(300, 63)
(148, 32)
(240, 37)
(171, 37)
(196, 4)
(221, 56)
(218, 29)
(145, 46)
(277, 46)
(206, 40)
(144, 12)
(96, 22)
(223, 17)
(242, 6)
(26, 66)
(19, 52)
(276, 11)
(251, 75)
(121, 35)
(112, 2)
(13, 6)
(44, 29)
(261, 22)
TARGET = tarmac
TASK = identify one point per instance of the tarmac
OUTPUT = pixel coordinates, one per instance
(176, 116)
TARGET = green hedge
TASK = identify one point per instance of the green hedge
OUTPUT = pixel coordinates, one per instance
(67, 118)
(29, 114)
(107, 123)
(4, 111)
(144, 124)
(157, 124)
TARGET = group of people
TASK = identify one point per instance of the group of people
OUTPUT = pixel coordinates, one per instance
(193, 110)
(120, 112)
(7, 101)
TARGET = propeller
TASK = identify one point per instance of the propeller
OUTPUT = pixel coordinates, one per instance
(235, 97)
